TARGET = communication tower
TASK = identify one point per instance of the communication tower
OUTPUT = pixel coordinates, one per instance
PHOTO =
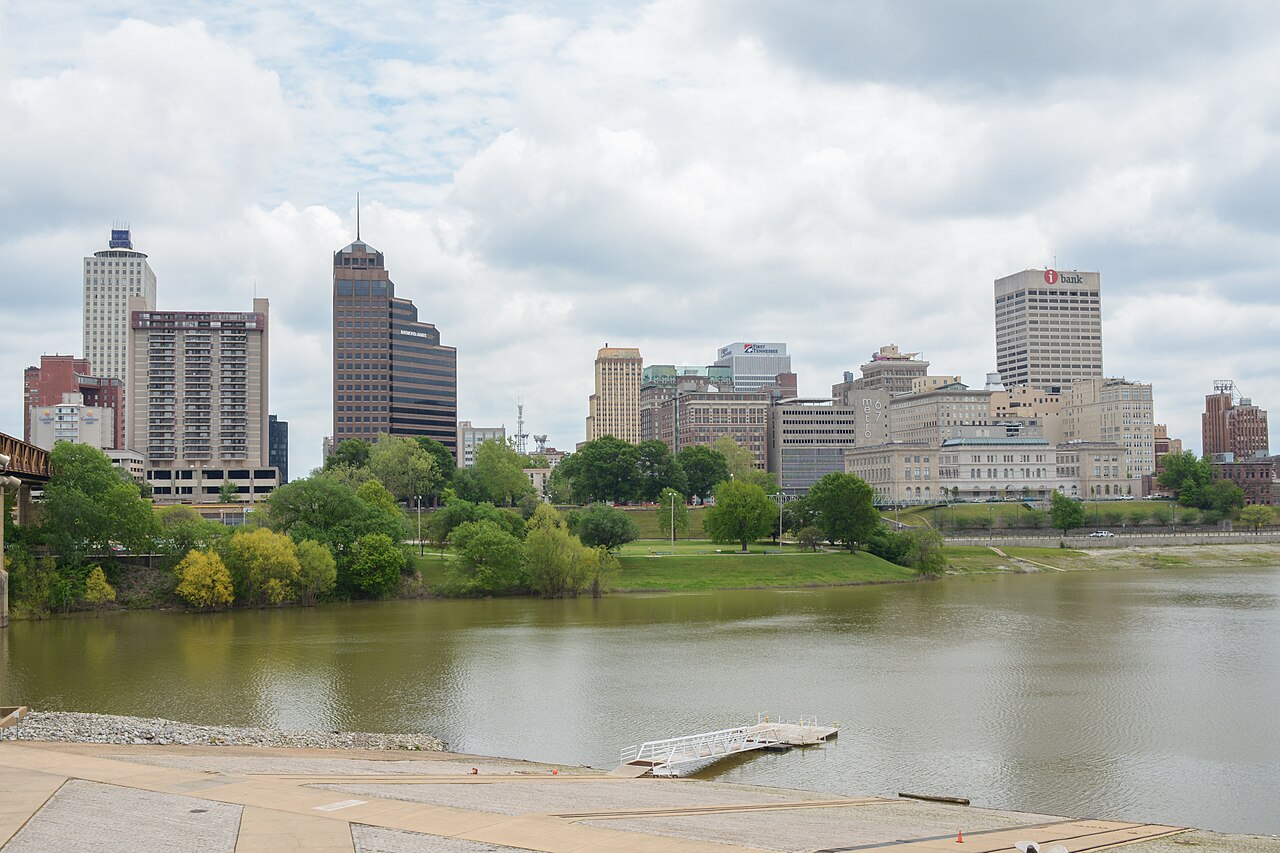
(522, 437)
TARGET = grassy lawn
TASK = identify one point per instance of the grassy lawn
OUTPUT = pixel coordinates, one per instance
(1008, 514)
(686, 572)
(432, 566)
(646, 518)
(699, 547)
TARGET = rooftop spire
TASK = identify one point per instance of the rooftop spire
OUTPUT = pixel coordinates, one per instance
(357, 217)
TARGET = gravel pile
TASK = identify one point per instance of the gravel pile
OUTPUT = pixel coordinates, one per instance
(107, 728)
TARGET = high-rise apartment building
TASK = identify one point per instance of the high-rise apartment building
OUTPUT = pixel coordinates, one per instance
(278, 446)
(1114, 411)
(471, 437)
(391, 374)
(662, 382)
(1232, 424)
(1048, 328)
(59, 375)
(614, 409)
(889, 369)
(754, 365)
(700, 418)
(112, 277)
(198, 386)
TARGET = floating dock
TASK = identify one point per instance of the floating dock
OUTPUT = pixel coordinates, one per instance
(661, 757)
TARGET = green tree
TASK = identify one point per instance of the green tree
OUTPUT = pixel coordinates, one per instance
(704, 469)
(740, 461)
(809, 537)
(1186, 476)
(604, 469)
(204, 581)
(1067, 513)
(556, 563)
(500, 473)
(97, 592)
(352, 478)
(258, 556)
(228, 492)
(90, 505)
(1258, 516)
(602, 569)
(377, 497)
(327, 510)
(350, 452)
(743, 513)
(924, 553)
(183, 530)
(1138, 517)
(672, 507)
(1162, 515)
(404, 467)
(1222, 497)
(317, 571)
(657, 470)
(446, 462)
(846, 510)
(376, 564)
(490, 559)
(604, 526)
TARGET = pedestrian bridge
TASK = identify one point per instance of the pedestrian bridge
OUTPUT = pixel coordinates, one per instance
(662, 757)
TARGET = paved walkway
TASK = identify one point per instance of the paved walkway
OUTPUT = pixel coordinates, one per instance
(75, 797)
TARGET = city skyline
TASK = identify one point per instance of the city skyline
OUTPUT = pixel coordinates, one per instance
(721, 177)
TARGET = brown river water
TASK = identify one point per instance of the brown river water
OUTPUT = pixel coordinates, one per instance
(1144, 695)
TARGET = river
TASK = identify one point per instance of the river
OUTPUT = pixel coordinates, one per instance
(1142, 695)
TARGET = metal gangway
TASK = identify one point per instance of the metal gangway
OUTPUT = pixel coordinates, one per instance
(660, 757)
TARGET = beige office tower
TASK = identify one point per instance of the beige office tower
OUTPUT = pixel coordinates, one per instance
(1048, 328)
(1115, 411)
(614, 409)
(111, 278)
(199, 391)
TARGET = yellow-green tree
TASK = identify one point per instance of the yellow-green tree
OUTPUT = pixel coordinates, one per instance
(97, 591)
(203, 580)
(1258, 516)
(258, 556)
(317, 571)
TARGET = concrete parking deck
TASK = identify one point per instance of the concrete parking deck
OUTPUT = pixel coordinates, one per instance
(73, 797)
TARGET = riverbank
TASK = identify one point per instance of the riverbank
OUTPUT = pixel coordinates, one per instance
(70, 727)
(70, 797)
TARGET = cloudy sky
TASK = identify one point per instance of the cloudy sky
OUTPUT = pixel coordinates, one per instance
(546, 177)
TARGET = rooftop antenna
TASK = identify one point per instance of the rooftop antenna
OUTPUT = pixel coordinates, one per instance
(357, 217)
(522, 437)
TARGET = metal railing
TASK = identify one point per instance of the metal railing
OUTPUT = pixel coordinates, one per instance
(701, 747)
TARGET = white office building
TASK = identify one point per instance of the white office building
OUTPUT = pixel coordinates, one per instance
(754, 365)
(1048, 328)
(111, 277)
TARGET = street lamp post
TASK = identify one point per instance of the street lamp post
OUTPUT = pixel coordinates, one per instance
(673, 522)
(418, 498)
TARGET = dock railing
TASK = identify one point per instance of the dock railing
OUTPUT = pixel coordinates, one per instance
(700, 747)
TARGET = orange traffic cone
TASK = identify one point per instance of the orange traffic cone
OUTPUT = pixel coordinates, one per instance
(960, 836)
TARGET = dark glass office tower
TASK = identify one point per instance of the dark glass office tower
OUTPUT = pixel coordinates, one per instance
(390, 372)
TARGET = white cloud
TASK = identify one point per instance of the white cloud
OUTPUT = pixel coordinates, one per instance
(674, 176)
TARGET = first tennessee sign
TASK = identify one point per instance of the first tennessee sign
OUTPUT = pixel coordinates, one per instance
(1054, 277)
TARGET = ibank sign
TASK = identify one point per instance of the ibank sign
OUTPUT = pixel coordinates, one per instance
(1054, 277)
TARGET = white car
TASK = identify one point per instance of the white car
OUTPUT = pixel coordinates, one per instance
(1101, 534)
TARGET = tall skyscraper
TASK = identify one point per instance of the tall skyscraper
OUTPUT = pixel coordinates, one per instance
(278, 440)
(111, 278)
(614, 409)
(390, 372)
(1232, 424)
(198, 382)
(1048, 328)
(754, 365)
